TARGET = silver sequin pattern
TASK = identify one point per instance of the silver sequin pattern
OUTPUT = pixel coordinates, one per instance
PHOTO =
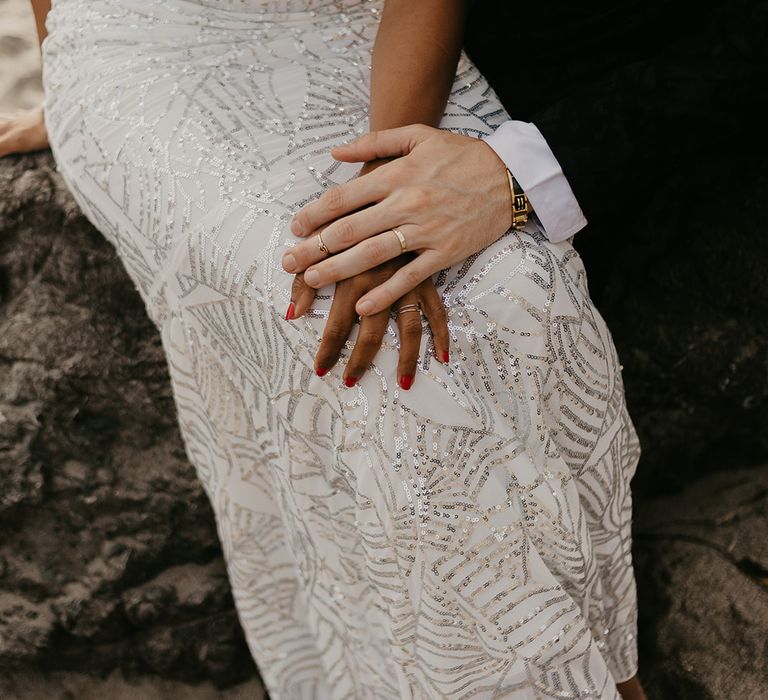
(469, 538)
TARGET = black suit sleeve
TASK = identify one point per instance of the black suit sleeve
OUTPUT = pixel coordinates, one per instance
(633, 96)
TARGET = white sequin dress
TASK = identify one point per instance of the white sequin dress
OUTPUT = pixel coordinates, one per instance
(469, 538)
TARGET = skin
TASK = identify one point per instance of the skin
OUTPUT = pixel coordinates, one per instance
(413, 66)
(447, 193)
(40, 9)
(632, 689)
(22, 132)
(342, 316)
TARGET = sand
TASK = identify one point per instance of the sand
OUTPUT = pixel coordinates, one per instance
(20, 82)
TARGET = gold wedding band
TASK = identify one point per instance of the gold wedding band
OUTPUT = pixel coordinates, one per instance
(408, 307)
(401, 238)
(321, 245)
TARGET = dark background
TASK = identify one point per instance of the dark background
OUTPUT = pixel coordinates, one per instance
(109, 558)
(657, 113)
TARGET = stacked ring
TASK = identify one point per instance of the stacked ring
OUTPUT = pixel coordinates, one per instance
(408, 307)
(321, 245)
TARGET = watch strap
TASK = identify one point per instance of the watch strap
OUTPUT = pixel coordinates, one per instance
(519, 202)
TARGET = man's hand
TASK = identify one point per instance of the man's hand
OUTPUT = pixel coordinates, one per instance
(448, 194)
(372, 327)
(303, 294)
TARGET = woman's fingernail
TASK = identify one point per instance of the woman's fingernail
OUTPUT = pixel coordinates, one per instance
(350, 381)
(445, 356)
(364, 307)
(290, 312)
(311, 277)
(289, 263)
(320, 371)
(405, 381)
(295, 228)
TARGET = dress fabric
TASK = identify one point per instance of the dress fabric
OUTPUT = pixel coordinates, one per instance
(469, 538)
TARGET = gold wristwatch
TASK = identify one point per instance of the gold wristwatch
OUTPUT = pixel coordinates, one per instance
(519, 203)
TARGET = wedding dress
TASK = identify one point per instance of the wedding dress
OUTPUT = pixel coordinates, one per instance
(469, 538)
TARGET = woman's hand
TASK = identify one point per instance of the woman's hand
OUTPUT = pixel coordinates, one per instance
(23, 131)
(372, 328)
(448, 194)
(342, 315)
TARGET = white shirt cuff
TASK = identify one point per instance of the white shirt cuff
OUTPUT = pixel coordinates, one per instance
(528, 157)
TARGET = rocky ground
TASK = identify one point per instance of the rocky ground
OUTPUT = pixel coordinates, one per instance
(701, 560)
(109, 556)
(78, 686)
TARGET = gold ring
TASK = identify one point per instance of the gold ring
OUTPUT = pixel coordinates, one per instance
(401, 238)
(321, 245)
(408, 307)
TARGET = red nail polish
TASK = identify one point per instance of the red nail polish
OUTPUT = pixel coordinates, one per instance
(445, 356)
(289, 313)
(320, 371)
(350, 381)
(405, 381)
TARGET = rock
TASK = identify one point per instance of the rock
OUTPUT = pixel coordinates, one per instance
(26, 626)
(74, 686)
(109, 557)
(686, 303)
(701, 561)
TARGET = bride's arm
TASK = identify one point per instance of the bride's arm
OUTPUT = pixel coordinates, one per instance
(414, 61)
(449, 192)
(40, 8)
